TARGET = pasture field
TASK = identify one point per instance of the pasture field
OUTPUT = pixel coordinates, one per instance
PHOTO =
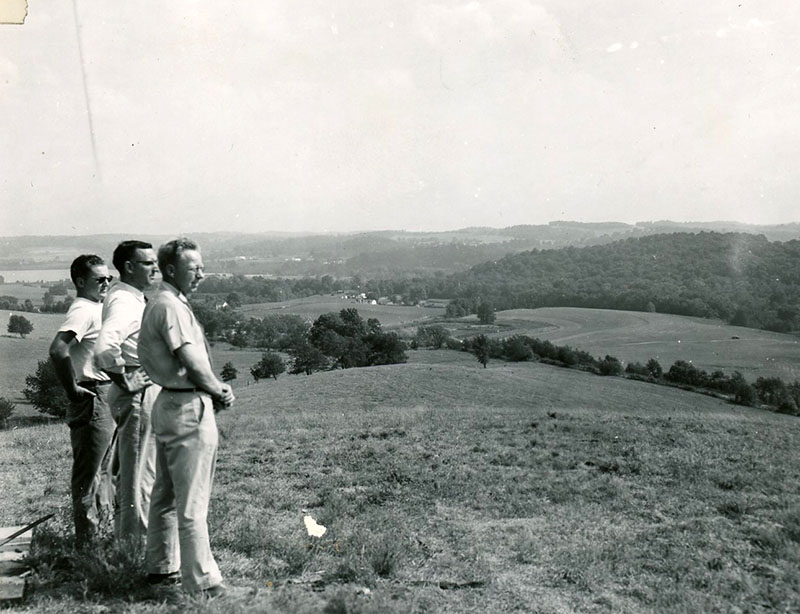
(635, 336)
(32, 291)
(446, 487)
(312, 307)
(18, 357)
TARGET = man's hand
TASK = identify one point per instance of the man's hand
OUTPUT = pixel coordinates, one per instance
(131, 382)
(79, 393)
(224, 399)
(136, 380)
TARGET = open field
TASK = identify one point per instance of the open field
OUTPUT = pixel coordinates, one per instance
(314, 306)
(630, 336)
(34, 292)
(18, 357)
(636, 336)
(446, 487)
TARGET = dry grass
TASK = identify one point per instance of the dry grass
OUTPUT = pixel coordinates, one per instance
(447, 487)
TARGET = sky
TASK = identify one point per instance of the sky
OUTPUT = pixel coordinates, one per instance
(305, 115)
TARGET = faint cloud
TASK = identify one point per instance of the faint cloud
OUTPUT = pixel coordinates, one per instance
(613, 48)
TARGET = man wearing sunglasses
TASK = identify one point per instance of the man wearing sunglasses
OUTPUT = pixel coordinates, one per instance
(88, 417)
(132, 393)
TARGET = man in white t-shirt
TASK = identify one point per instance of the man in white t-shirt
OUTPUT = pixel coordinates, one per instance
(89, 419)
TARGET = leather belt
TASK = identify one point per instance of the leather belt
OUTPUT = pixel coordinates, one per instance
(168, 389)
(92, 383)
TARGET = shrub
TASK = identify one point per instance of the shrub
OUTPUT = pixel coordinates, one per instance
(636, 368)
(270, 365)
(44, 391)
(6, 409)
(229, 372)
(610, 366)
(744, 394)
(654, 368)
(516, 350)
(433, 336)
(454, 344)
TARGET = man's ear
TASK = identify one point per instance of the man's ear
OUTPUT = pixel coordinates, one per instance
(128, 266)
(169, 271)
(80, 283)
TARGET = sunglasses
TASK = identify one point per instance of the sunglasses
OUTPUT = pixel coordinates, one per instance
(104, 280)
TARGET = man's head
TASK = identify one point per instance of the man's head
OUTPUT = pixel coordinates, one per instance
(136, 263)
(181, 264)
(90, 275)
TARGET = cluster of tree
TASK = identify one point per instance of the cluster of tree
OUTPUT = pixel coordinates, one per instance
(279, 331)
(239, 289)
(772, 391)
(347, 340)
(56, 299)
(741, 278)
(461, 307)
(11, 303)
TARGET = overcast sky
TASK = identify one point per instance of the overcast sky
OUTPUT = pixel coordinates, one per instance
(293, 115)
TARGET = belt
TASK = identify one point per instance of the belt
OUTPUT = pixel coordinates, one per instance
(93, 383)
(132, 368)
(168, 389)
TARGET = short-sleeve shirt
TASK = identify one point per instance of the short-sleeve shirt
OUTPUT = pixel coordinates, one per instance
(83, 319)
(117, 345)
(167, 324)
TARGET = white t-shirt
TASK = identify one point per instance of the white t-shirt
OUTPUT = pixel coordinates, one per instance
(84, 319)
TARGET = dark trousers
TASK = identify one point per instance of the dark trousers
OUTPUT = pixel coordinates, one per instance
(91, 431)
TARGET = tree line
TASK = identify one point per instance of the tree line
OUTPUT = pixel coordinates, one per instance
(770, 392)
(740, 278)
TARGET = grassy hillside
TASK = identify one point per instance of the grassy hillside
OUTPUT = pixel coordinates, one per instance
(637, 336)
(450, 488)
(312, 307)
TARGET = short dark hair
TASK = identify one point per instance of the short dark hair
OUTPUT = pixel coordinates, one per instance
(82, 266)
(125, 251)
(171, 251)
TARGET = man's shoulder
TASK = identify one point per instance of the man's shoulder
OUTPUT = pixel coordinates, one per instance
(83, 306)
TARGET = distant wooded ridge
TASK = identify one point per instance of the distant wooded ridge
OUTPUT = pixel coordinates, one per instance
(371, 254)
(743, 279)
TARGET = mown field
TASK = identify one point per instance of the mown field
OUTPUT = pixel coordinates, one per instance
(446, 487)
(314, 306)
(636, 336)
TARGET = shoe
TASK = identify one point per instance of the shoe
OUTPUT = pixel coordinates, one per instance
(234, 592)
(215, 591)
(164, 579)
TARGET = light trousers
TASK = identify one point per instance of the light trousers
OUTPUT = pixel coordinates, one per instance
(136, 457)
(186, 453)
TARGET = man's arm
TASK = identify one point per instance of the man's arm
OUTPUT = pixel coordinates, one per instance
(195, 359)
(59, 355)
(108, 349)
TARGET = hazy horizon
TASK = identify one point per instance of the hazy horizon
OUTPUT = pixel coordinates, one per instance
(356, 116)
(299, 233)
